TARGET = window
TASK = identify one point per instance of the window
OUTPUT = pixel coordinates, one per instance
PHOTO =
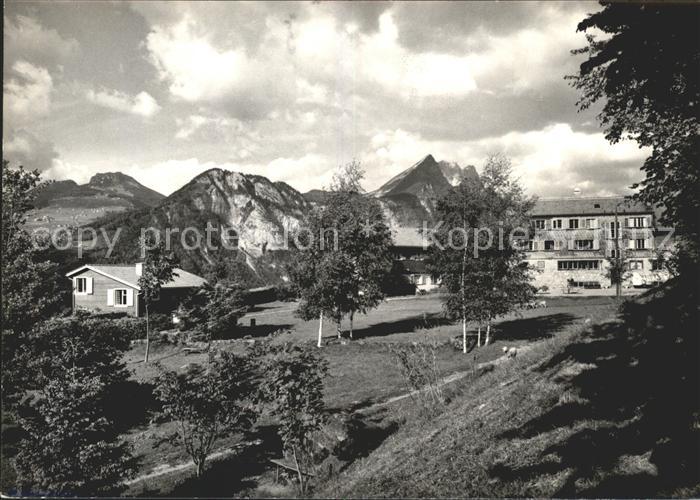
(591, 223)
(549, 245)
(540, 264)
(596, 205)
(583, 245)
(531, 245)
(573, 223)
(636, 265)
(636, 222)
(539, 224)
(575, 265)
(657, 265)
(614, 230)
(556, 224)
(120, 297)
(80, 285)
(640, 244)
(615, 253)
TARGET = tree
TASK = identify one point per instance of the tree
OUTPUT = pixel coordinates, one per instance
(71, 445)
(157, 270)
(30, 284)
(484, 274)
(343, 254)
(208, 405)
(293, 386)
(216, 309)
(645, 71)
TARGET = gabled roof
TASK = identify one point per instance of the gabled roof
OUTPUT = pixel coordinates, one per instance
(126, 274)
(604, 205)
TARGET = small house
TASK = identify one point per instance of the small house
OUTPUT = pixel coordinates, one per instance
(114, 288)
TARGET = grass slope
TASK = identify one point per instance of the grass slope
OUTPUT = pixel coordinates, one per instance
(608, 411)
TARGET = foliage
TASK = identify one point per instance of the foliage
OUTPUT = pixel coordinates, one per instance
(156, 271)
(343, 254)
(215, 310)
(72, 446)
(30, 285)
(293, 386)
(645, 71)
(419, 369)
(208, 404)
(481, 267)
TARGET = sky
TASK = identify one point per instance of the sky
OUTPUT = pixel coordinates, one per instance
(165, 91)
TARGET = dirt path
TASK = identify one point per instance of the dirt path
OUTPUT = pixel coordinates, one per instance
(168, 469)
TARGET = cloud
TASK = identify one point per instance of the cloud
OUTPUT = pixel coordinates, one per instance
(29, 97)
(26, 38)
(22, 147)
(142, 104)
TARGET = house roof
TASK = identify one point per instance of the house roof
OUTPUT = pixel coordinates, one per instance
(604, 205)
(126, 274)
(408, 237)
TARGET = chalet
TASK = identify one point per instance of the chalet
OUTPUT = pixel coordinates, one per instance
(114, 288)
(409, 251)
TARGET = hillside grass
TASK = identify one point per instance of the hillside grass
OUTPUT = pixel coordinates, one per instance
(363, 374)
(607, 410)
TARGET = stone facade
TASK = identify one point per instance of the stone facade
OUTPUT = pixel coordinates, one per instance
(573, 238)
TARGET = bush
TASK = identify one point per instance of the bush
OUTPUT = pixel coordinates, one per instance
(418, 366)
(286, 292)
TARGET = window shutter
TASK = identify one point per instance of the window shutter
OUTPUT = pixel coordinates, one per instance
(570, 244)
(630, 222)
(110, 297)
(75, 285)
(649, 244)
(630, 244)
(595, 224)
(88, 283)
(129, 297)
(548, 224)
(645, 222)
(596, 245)
(557, 244)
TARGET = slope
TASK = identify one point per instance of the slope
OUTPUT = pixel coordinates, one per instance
(609, 412)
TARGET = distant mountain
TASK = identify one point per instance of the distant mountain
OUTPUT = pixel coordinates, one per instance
(67, 203)
(258, 210)
(261, 211)
(410, 197)
(111, 188)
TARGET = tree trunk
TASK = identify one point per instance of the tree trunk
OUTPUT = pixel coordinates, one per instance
(488, 332)
(320, 328)
(337, 329)
(464, 335)
(478, 336)
(148, 340)
(301, 475)
(200, 468)
(352, 313)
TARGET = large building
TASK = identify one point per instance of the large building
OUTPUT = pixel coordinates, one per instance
(574, 238)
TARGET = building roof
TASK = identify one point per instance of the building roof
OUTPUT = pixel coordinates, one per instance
(589, 206)
(126, 274)
(408, 237)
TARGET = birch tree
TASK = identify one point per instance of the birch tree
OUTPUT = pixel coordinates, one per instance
(480, 267)
(157, 270)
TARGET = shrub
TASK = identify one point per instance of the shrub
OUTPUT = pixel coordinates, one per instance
(418, 366)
